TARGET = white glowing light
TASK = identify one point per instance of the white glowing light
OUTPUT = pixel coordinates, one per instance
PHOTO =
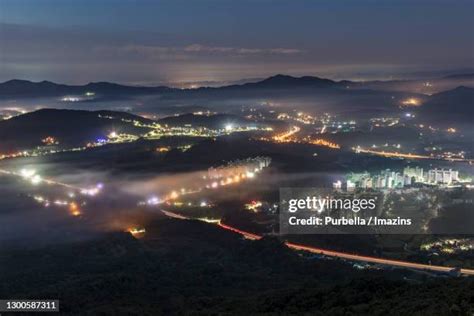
(70, 99)
(27, 173)
(229, 127)
(91, 191)
(153, 200)
(36, 179)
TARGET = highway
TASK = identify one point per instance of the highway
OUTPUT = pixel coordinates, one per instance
(388, 262)
(286, 136)
(338, 254)
(391, 154)
(353, 257)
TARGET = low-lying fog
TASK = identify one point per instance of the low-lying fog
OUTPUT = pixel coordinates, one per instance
(38, 213)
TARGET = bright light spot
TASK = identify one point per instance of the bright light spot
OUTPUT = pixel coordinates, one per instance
(174, 195)
(91, 191)
(162, 149)
(27, 173)
(229, 127)
(411, 102)
(153, 201)
(112, 135)
(74, 209)
(137, 232)
(209, 220)
(250, 174)
(70, 99)
(36, 179)
(253, 206)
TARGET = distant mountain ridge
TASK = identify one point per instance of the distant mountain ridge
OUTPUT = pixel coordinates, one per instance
(285, 80)
(25, 88)
(460, 76)
(17, 87)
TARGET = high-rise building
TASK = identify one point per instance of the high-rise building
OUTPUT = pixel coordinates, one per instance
(416, 173)
(406, 180)
(350, 185)
(442, 176)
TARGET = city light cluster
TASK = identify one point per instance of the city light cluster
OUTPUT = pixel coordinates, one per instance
(93, 191)
(411, 102)
(325, 143)
(233, 172)
(389, 179)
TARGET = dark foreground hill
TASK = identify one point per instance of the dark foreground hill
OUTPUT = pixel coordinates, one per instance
(69, 127)
(194, 268)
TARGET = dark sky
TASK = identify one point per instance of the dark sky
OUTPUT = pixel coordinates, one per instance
(149, 42)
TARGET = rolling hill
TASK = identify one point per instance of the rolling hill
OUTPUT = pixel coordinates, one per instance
(450, 107)
(25, 88)
(69, 127)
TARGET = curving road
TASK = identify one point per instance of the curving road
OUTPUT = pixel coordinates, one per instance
(338, 254)
(393, 154)
(348, 256)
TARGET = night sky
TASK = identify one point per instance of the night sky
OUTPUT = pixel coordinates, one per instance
(151, 42)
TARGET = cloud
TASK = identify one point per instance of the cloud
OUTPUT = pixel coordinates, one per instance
(188, 52)
(198, 48)
(286, 51)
